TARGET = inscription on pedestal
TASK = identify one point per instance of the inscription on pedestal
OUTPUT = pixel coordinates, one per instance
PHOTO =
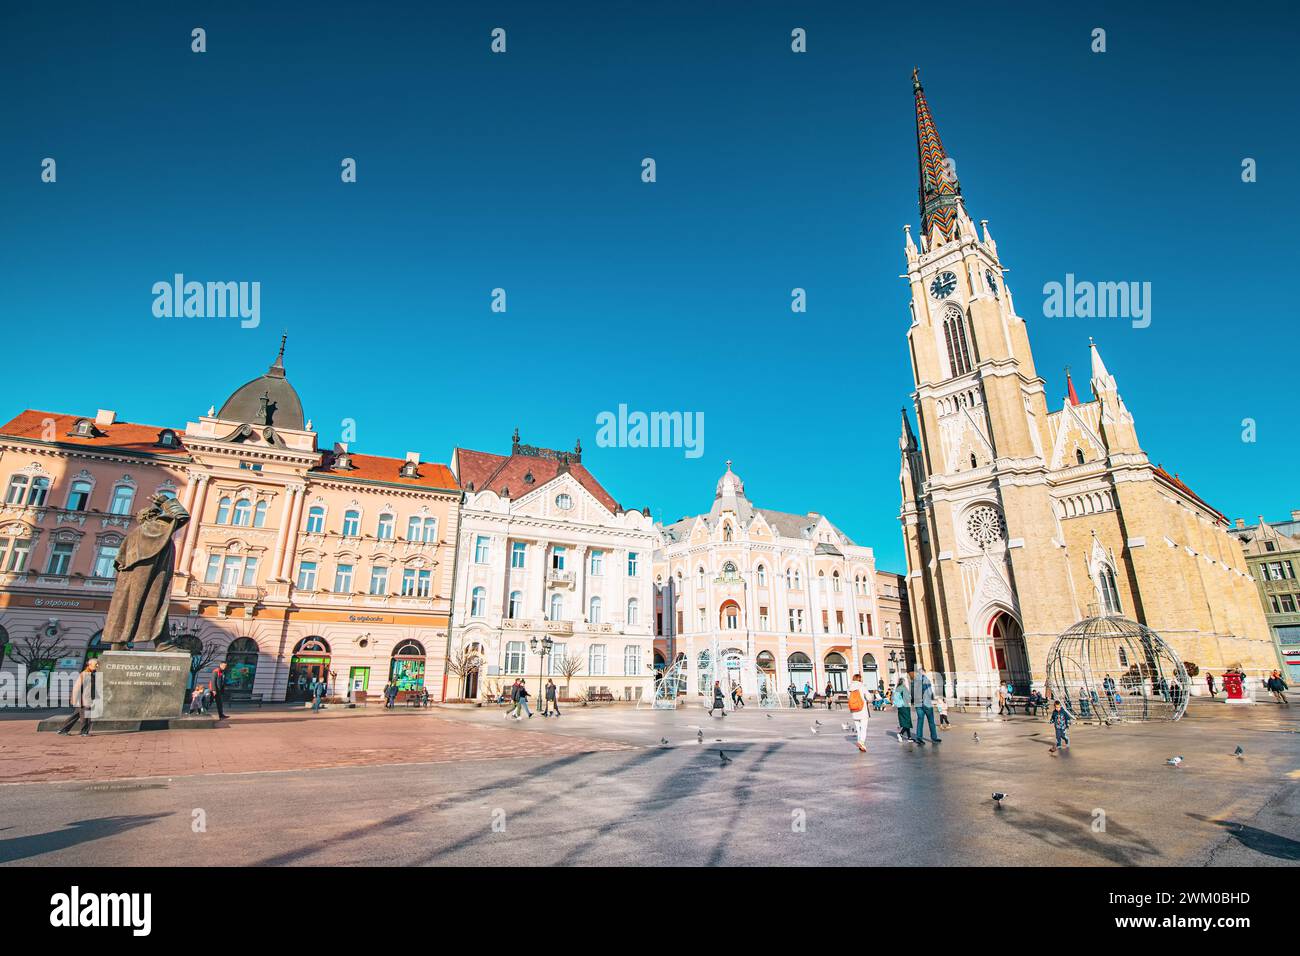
(143, 685)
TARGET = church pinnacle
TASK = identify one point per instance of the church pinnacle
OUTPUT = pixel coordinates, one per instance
(940, 191)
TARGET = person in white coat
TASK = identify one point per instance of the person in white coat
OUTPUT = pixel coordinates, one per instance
(858, 710)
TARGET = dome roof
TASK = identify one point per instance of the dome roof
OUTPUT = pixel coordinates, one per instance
(730, 485)
(267, 400)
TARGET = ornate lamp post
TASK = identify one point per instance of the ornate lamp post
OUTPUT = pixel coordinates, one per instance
(542, 649)
(893, 666)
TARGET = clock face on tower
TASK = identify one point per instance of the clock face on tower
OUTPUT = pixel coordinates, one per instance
(992, 280)
(944, 284)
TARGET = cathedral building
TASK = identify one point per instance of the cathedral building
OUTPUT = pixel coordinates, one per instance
(1021, 518)
(788, 592)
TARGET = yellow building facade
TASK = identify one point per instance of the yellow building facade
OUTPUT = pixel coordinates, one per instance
(1020, 520)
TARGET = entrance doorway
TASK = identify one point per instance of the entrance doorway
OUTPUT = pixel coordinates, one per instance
(310, 661)
(1008, 656)
(407, 669)
(870, 672)
(473, 661)
(837, 672)
(241, 667)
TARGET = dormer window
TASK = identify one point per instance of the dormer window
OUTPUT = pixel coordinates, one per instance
(84, 428)
(410, 470)
(167, 438)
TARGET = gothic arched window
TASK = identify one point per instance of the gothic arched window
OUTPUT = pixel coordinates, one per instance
(1108, 590)
(954, 336)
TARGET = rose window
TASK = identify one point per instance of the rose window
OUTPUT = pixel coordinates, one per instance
(985, 525)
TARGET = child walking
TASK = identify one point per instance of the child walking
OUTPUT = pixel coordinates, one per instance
(1061, 724)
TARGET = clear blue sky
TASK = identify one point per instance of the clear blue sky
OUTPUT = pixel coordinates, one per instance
(775, 170)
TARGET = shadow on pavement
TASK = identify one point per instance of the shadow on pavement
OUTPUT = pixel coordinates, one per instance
(83, 831)
(1253, 838)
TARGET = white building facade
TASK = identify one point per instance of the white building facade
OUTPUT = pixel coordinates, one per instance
(789, 592)
(546, 552)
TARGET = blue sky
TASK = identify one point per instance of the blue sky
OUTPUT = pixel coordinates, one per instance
(775, 171)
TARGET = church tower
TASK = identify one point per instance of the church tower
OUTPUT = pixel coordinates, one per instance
(992, 480)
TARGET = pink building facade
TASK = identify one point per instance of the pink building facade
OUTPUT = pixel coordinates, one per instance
(298, 562)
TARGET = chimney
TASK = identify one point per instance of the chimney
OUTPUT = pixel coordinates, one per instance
(340, 448)
(105, 416)
(413, 457)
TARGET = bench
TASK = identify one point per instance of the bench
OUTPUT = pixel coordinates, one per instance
(418, 700)
(600, 696)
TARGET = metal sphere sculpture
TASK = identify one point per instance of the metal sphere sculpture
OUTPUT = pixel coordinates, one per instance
(1110, 669)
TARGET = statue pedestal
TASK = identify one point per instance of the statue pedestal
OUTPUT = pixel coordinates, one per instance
(140, 690)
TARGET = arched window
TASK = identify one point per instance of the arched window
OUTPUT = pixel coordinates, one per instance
(1108, 590)
(800, 667)
(593, 615)
(315, 520)
(478, 602)
(223, 511)
(516, 606)
(766, 662)
(699, 578)
(954, 336)
(243, 512)
(557, 607)
(259, 514)
(241, 661)
(731, 616)
(762, 576)
(17, 488)
(1078, 455)
(973, 463)
(123, 496)
(351, 523)
(633, 611)
(384, 530)
(835, 581)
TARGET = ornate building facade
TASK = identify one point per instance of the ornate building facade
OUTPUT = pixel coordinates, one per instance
(1273, 553)
(546, 552)
(297, 562)
(1020, 520)
(790, 592)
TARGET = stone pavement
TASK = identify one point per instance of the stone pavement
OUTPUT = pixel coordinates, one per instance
(270, 740)
(598, 787)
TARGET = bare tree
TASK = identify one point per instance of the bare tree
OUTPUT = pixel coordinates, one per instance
(39, 652)
(463, 661)
(569, 665)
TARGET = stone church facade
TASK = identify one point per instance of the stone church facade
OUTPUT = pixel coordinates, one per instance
(1019, 519)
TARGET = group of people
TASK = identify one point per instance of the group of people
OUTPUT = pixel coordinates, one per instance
(918, 694)
(518, 696)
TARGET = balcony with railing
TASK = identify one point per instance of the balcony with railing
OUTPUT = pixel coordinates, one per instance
(559, 578)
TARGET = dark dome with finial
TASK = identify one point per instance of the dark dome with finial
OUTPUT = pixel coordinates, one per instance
(267, 400)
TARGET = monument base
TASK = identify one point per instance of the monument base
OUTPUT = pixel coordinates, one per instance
(189, 722)
(143, 685)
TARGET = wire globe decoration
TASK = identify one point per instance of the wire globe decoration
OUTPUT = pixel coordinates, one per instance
(1109, 669)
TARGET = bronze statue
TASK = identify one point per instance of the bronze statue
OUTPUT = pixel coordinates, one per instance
(138, 610)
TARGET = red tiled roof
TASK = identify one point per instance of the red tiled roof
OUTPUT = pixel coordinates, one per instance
(378, 468)
(497, 473)
(127, 436)
(1178, 484)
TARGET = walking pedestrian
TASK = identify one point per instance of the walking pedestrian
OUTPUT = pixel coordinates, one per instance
(858, 710)
(219, 689)
(523, 703)
(794, 695)
(941, 708)
(719, 703)
(1061, 724)
(829, 695)
(904, 708)
(1002, 700)
(923, 698)
(513, 695)
(1278, 687)
(83, 699)
(549, 700)
(318, 691)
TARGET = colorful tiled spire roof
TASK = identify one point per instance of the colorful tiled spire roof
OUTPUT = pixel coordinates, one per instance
(939, 189)
(1071, 394)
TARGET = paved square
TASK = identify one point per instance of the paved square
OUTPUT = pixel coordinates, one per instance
(598, 787)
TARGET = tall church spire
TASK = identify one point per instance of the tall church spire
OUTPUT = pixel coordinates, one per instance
(940, 192)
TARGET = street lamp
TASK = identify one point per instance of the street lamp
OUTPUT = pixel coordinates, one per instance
(542, 649)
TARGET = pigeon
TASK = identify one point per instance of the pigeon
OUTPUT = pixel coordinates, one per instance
(1174, 761)
(768, 716)
(977, 736)
(725, 759)
(699, 736)
(999, 796)
(817, 723)
(1239, 753)
(844, 726)
(814, 728)
(664, 741)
